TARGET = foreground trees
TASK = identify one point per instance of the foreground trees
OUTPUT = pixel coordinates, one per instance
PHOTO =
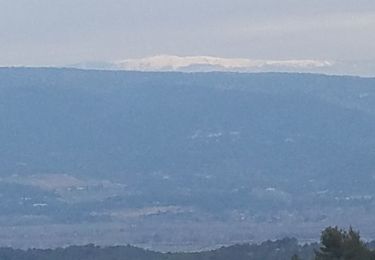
(342, 245)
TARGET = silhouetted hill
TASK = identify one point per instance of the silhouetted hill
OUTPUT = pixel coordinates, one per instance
(280, 250)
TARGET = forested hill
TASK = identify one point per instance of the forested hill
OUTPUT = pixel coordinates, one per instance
(277, 250)
(335, 243)
(269, 152)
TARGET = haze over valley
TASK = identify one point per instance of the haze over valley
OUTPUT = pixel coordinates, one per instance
(113, 157)
(187, 130)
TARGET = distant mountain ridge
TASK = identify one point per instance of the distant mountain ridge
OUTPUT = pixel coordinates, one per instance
(195, 63)
(206, 63)
(210, 64)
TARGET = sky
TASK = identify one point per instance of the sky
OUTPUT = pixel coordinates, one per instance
(60, 32)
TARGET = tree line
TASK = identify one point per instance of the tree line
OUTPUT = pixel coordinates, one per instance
(335, 244)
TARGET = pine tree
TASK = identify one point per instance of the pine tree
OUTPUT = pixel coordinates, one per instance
(338, 244)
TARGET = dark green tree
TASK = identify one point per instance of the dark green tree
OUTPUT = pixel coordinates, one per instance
(339, 244)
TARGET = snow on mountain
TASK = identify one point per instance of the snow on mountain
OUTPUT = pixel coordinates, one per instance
(208, 63)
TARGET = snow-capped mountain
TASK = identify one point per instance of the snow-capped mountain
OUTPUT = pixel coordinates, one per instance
(209, 63)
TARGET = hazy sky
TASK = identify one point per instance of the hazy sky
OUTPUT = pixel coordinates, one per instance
(58, 32)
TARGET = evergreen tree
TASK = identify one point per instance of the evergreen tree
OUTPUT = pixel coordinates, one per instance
(339, 244)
